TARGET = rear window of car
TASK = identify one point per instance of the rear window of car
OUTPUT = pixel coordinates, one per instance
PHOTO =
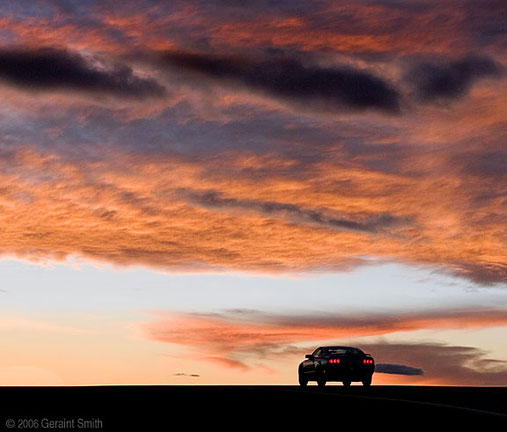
(333, 351)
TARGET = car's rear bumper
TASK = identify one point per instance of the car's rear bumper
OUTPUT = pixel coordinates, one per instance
(341, 373)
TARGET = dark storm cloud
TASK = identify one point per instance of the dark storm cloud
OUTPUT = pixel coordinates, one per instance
(433, 81)
(325, 88)
(51, 68)
(294, 213)
(397, 369)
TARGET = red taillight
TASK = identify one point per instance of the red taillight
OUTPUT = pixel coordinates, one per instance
(366, 361)
(334, 361)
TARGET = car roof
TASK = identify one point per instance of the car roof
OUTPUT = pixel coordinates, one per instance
(338, 347)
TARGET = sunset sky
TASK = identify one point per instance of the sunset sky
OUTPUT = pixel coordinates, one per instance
(203, 191)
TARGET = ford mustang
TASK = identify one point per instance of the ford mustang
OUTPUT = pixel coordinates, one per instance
(336, 363)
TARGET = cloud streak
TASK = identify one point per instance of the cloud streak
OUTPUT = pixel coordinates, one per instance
(328, 88)
(397, 369)
(58, 69)
(293, 213)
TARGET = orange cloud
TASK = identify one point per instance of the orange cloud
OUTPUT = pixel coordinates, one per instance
(341, 27)
(223, 335)
(228, 363)
(132, 213)
(292, 192)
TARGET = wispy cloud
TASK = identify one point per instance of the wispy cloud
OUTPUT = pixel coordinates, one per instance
(397, 369)
(293, 213)
(227, 362)
(172, 208)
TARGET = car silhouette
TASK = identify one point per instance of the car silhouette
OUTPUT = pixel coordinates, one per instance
(336, 363)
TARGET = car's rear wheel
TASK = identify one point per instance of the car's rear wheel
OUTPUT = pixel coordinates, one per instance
(367, 382)
(346, 383)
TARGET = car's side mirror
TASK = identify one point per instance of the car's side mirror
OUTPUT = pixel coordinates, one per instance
(309, 356)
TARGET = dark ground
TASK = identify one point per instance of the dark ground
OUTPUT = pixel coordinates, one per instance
(189, 408)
